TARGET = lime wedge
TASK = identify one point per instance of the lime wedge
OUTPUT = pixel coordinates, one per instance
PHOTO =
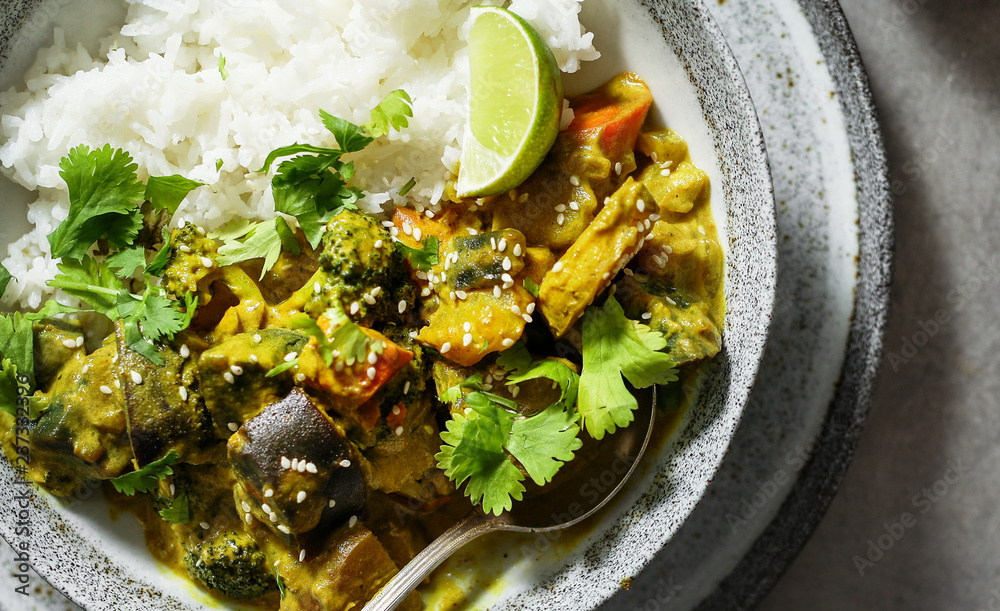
(515, 103)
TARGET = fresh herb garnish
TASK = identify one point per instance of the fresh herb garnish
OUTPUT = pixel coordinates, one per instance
(178, 512)
(167, 192)
(392, 112)
(348, 339)
(104, 199)
(4, 279)
(423, 258)
(222, 67)
(530, 286)
(145, 479)
(16, 351)
(613, 347)
(264, 240)
(406, 188)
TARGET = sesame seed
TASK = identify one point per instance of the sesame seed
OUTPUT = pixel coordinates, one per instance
(507, 278)
(185, 351)
(172, 490)
(654, 217)
(502, 244)
(399, 431)
(268, 493)
(273, 517)
(372, 358)
(300, 377)
(233, 427)
(184, 248)
(402, 306)
(466, 339)
(461, 294)
(557, 267)
(425, 292)
(573, 180)
(69, 343)
(416, 233)
(467, 326)
(332, 503)
(387, 224)
(514, 390)
(295, 464)
(496, 291)
(618, 168)
(526, 317)
(560, 218)
(472, 231)
(507, 342)
(574, 206)
(517, 250)
(355, 307)
(647, 224)
(85, 369)
(368, 299)
(302, 555)
(248, 518)
(376, 291)
(345, 463)
(653, 156)
(530, 309)
(291, 356)
(515, 309)
(665, 173)
(284, 529)
(204, 525)
(523, 198)
(606, 276)
(236, 369)
(561, 208)
(301, 496)
(407, 229)
(256, 337)
(311, 467)
(352, 522)
(118, 383)
(254, 358)
(445, 347)
(207, 262)
(640, 205)
(378, 243)
(506, 264)
(285, 463)
(136, 377)
(493, 243)
(394, 232)
(229, 377)
(647, 315)
(114, 359)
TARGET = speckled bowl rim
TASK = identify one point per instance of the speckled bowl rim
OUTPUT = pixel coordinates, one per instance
(810, 497)
(748, 181)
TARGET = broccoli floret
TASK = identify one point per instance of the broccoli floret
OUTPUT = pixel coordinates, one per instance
(231, 564)
(189, 250)
(359, 264)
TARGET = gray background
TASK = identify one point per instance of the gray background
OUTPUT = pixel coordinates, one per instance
(926, 476)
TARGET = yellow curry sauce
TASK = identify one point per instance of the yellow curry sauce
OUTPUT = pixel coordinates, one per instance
(310, 477)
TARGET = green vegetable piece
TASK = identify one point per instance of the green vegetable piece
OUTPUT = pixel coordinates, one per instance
(407, 187)
(616, 347)
(530, 286)
(4, 279)
(231, 563)
(104, 197)
(145, 479)
(265, 240)
(222, 67)
(125, 262)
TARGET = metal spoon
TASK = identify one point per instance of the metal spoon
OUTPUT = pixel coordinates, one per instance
(559, 504)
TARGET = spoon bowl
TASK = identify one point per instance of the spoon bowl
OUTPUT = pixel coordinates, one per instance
(565, 501)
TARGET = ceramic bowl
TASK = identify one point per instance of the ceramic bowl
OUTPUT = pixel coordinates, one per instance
(101, 562)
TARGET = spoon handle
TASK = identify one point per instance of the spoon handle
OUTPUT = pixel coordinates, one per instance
(470, 527)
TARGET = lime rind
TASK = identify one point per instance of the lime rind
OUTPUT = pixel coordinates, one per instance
(507, 158)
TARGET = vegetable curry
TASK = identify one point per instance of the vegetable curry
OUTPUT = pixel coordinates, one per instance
(312, 413)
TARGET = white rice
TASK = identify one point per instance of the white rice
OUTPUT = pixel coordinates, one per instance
(155, 90)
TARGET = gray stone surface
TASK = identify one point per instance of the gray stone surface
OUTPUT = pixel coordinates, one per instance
(915, 524)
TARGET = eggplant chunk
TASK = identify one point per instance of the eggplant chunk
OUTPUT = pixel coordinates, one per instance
(233, 375)
(162, 416)
(295, 471)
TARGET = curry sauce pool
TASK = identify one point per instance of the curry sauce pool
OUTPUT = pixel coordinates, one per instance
(296, 407)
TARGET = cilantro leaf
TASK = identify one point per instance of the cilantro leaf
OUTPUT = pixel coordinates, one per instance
(473, 450)
(258, 241)
(222, 67)
(350, 137)
(144, 479)
(613, 347)
(282, 367)
(454, 394)
(16, 348)
(162, 258)
(92, 282)
(4, 279)
(307, 324)
(348, 339)
(127, 261)
(281, 586)
(167, 192)
(104, 196)
(523, 369)
(531, 286)
(545, 441)
(423, 258)
(178, 512)
(392, 112)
